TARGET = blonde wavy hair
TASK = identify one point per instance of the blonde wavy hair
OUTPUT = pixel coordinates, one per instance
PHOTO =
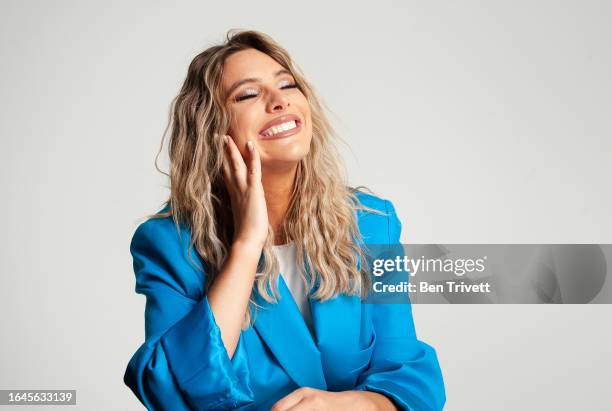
(321, 219)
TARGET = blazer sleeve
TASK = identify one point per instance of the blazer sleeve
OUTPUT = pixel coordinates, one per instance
(402, 368)
(182, 364)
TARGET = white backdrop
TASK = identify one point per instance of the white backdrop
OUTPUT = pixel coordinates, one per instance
(484, 122)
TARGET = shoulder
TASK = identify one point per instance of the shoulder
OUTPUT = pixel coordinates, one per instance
(381, 225)
(371, 200)
(160, 232)
(161, 252)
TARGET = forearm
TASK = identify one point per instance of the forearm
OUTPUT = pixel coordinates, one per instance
(229, 295)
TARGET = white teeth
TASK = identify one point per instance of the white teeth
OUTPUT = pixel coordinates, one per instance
(279, 128)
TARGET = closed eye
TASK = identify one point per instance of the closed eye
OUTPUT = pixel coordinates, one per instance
(247, 96)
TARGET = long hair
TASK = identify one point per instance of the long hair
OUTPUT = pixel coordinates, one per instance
(321, 219)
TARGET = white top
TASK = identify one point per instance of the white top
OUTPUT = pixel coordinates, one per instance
(286, 255)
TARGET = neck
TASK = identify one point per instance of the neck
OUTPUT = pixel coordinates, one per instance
(278, 185)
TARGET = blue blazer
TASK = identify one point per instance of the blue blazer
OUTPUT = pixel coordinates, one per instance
(183, 364)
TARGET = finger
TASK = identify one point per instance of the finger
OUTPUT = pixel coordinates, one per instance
(227, 173)
(288, 401)
(236, 163)
(303, 405)
(309, 402)
(254, 169)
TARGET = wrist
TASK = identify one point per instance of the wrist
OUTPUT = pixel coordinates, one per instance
(246, 249)
(360, 400)
(372, 401)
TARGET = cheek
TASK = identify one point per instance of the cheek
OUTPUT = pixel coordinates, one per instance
(239, 128)
(308, 130)
(309, 124)
(308, 116)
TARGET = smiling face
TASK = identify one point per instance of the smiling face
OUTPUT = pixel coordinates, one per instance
(267, 108)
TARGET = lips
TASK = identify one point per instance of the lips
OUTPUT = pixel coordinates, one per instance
(280, 120)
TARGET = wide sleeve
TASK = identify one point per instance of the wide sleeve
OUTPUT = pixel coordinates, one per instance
(402, 368)
(182, 364)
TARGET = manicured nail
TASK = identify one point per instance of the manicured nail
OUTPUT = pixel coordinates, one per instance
(250, 145)
(225, 139)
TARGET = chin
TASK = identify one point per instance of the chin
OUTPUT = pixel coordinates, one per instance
(281, 162)
(287, 154)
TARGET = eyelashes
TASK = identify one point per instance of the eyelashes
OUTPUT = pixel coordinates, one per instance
(247, 96)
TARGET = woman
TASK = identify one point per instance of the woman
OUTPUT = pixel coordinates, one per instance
(268, 313)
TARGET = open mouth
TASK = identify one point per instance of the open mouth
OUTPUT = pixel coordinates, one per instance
(282, 130)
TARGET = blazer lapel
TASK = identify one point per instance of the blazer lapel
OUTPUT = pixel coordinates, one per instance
(337, 323)
(284, 331)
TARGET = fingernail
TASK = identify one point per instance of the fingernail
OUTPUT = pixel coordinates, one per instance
(250, 145)
(225, 139)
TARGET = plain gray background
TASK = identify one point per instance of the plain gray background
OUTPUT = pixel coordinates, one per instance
(483, 121)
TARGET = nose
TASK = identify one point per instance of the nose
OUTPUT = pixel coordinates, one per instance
(277, 101)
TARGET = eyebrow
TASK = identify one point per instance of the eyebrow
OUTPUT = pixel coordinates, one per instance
(253, 79)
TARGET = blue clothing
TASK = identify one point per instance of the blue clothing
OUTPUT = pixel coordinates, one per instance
(183, 364)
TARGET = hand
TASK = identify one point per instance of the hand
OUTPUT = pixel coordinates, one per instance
(246, 194)
(307, 398)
